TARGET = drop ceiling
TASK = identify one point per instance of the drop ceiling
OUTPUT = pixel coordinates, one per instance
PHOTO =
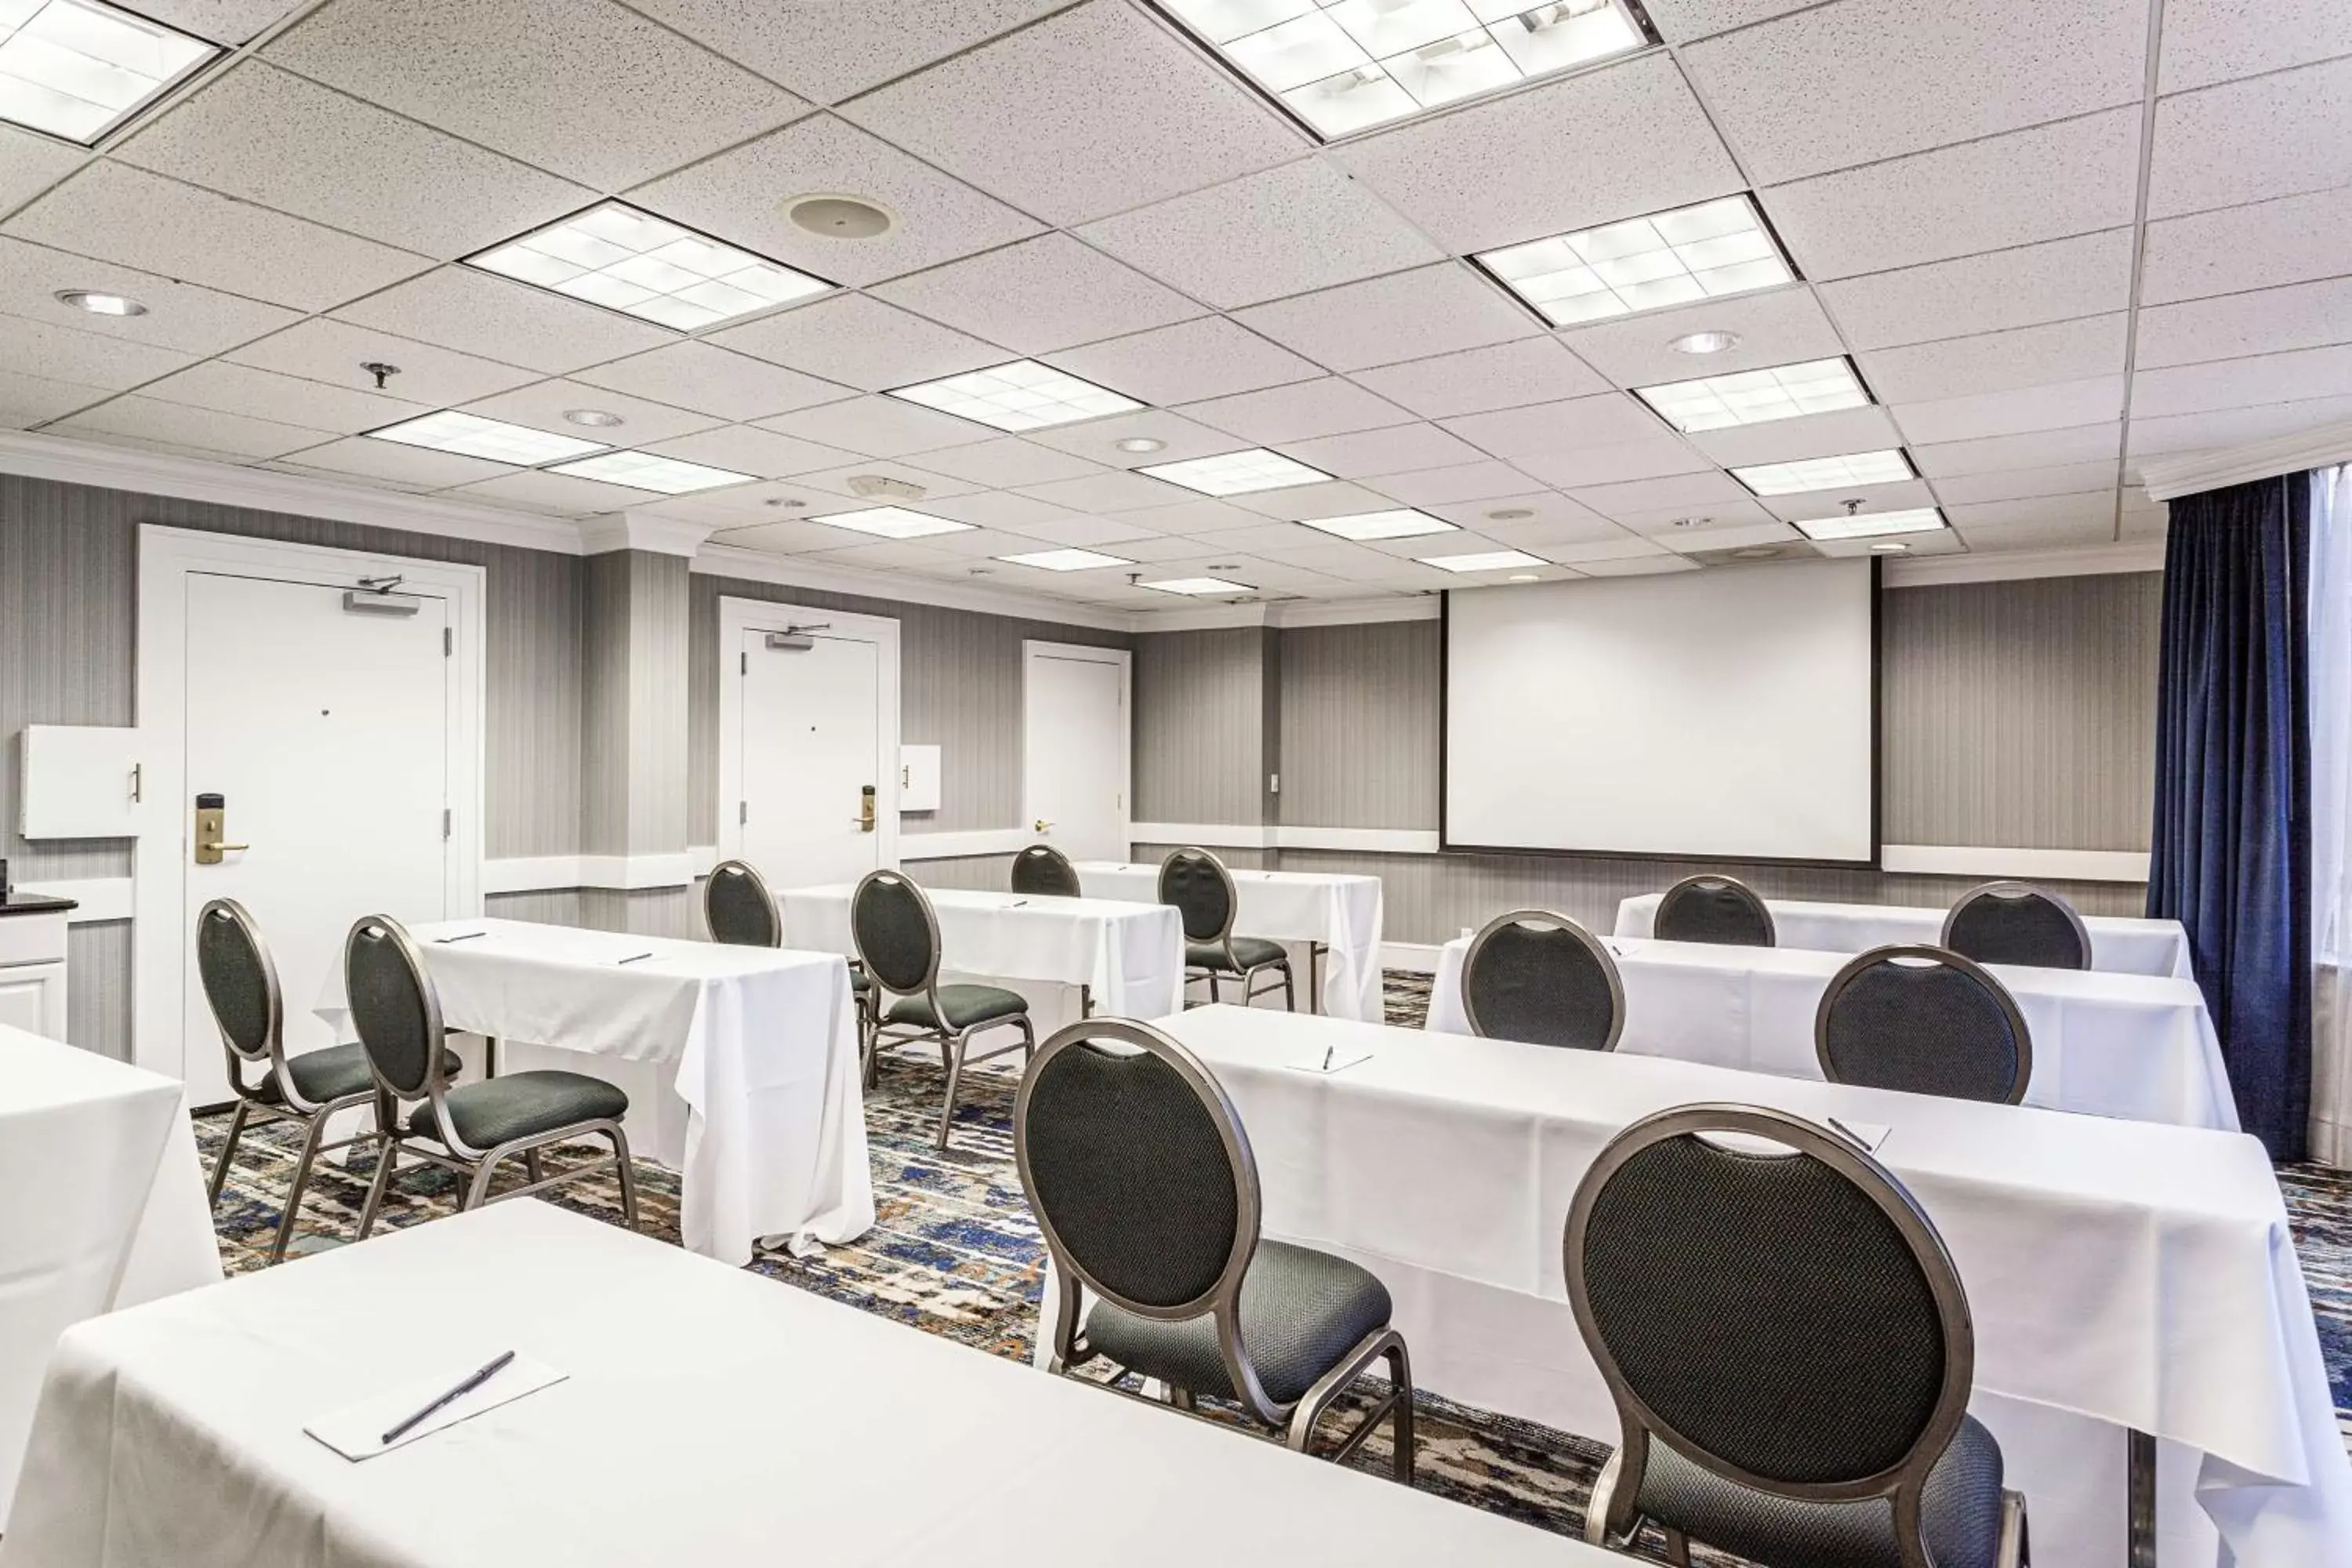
(2047, 256)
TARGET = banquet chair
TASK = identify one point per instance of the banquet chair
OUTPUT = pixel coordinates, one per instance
(741, 913)
(1793, 1390)
(467, 1128)
(1044, 872)
(1200, 889)
(2017, 923)
(1710, 908)
(240, 983)
(1538, 977)
(1923, 1019)
(898, 935)
(1142, 1179)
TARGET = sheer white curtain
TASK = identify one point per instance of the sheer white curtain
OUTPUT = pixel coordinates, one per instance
(2331, 815)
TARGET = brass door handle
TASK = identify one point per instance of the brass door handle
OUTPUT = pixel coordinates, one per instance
(1042, 825)
(215, 847)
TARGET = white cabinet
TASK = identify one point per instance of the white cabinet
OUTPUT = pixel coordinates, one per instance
(33, 965)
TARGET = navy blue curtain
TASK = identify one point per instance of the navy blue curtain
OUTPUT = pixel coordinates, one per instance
(2230, 857)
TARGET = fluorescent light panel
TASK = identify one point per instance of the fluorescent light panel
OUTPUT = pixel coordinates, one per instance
(1067, 560)
(1887, 468)
(1199, 585)
(472, 436)
(648, 471)
(1756, 396)
(1022, 395)
(1870, 524)
(1702, 252)
(78, 68)
(1488, 561)
(1404, 523)
(1237, 473)
(893, 522)
(615, 256)
(1343, 65)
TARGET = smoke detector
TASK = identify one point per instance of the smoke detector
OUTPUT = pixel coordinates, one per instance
(866, 487)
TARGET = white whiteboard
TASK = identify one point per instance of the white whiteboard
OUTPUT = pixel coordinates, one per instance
(1725, 713)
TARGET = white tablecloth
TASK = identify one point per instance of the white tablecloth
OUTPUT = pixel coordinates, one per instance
(2108, 1044)
(1343, 913)
(2119, 945)
(102, 1206)
(711, 1419)
(765, 1046)
(1129, 955)
(2136, 1274)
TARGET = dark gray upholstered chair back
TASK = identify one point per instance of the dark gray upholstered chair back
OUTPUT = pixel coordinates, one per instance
(1539, 977)
(738, 909)
(1788, 1319)
(1045, 872)
(239, 980)
(2017, 923)
(1202, 890)
(394, 1006)
(897, 932)
(1926, 1020)
(1710, 908)
(1137, 1168)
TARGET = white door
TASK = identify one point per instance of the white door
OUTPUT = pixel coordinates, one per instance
(810, 741)
(326, 733)
(1074, 754)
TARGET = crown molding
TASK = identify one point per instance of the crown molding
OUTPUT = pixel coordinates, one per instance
(2008, 565)
(2321, 447)
(144, 472)
(1292, 613)
(906, 588)
(645, 530)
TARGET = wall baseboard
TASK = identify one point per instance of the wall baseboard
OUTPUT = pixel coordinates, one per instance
(102, 899)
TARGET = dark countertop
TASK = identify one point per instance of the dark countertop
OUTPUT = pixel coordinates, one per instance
(23, 903)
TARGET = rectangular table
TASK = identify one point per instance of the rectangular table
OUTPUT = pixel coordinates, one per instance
(2109, 1045)
(2119, 945)
(2137, 1274)
(1326, 910)
(711, 1419)
(102, 1206)
(1129, 955)
(763, 1043)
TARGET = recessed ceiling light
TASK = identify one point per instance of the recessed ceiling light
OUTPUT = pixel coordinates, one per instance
(642, 266)
(1342, 65)
(892, 522)
(472, 436)
(1022, 395)
(1524, 577)
(648, 471)
(1487, 561)
(1704, 342)
(92, 299)
(841, 217)
(78, 68)
(596, 418)
(1887, 468)
(1236, 473)
(1142, 444)
(1199, 585)
(1757, 553)
(1510, 514)
(1702, 252)
(1868, 524)
(1891, 547)
(1756, 396)
(1067, 560)
(1405, 524)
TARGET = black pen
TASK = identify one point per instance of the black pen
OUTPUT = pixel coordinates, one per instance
(1326, 1057)
(497, 1365)
(1016, 903)
(631, 959)
(1851, 1133)
(465, 936)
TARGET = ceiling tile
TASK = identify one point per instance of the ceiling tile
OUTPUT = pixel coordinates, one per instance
(1624, 547)
(1779, 326)
(1097, 441)
(711, 379)
(93, 359)
(1723, 536)
(1007, 461)
(150, 419)
(769, 501)
(998, 509)
(746, 449)
(1806, 435)
(835, 481)
(2042, 449)
(1071, 532)
(2247, 142)
(1044, 294)
(879, 426)
(2011, 484)
(1504, 375)
(30, 162)
(1908, 496)
(1390, 451)
(1943, 541)
(33, 399)
(1651, 458)
(890, 553)
(1706, 518)
(2243, 383)
(222, 21)
(2206, 41)
(332, 351)
(1908, 75)
(1199, 515)
(825, 53)
(2293, 240)
(2090, 506)
(162, 225)
(1700, 493)
(1679, 21)
(2013, 411)
(1338, 499)
(547, 81)
(543, 405)
(2269, 321)
(1113, 491)
(414, 467)
(2234, 427)
(1462, 481)
(533, 491)
(1638, 565)
(2056, 534)
(2086, 275)
(1298, 412)
(745, 197)
(792, 536)
(1290, 230)
(1150, 114)
(461, 309)
(179, 315)
(1552, 519)
(860, 342)
(1996, 361)
(2073, 177)
(1540, 429)
(1211, 357)
(287, 399)
(1406, 315)
(266, 136)
(1490, 172)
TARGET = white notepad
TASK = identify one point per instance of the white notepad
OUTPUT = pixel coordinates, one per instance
(356, 1431)
(1339, 1063)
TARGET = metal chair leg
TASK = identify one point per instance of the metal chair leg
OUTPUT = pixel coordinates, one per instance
(2139, 1504)
(1289, 996)
(1677, 1549)
(1183, 1399)
(385, 1149)
(955, 1075)
(302, 1179)
(1400, 1413)
(479, 1187)
(531, 1169)
(228, 1149)
(628, 1178)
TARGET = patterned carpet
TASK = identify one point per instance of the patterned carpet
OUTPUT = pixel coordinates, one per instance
(955, 1252)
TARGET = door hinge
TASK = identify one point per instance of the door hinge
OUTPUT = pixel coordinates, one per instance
(445, 821)
(449, 642)
(742, 812)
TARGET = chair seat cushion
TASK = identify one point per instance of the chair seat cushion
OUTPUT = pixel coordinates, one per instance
(1959, 1512)
(521, 1105)
(1302, 1311)
(965, 1006)
(332, 1074)
(1255, 951)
